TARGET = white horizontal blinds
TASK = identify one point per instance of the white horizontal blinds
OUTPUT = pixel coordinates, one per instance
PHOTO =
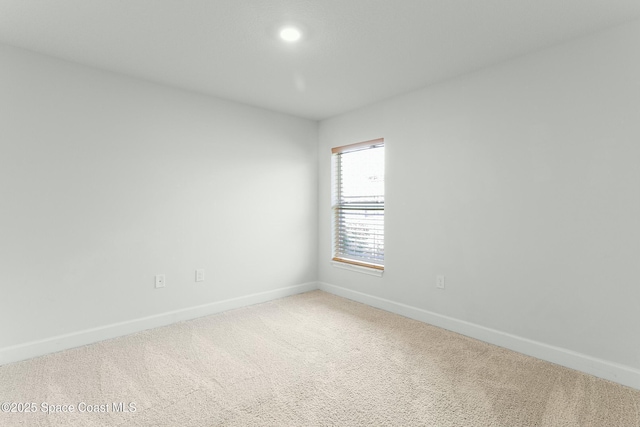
(359, 203)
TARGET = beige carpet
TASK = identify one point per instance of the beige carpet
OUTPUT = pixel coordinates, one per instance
(309, 360)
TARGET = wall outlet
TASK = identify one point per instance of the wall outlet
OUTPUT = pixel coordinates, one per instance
(200, 275)
(160, 281)
(440, 282)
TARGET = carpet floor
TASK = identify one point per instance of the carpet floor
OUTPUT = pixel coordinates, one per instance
(308, 360)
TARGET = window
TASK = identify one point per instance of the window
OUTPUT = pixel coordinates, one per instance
(358, 204)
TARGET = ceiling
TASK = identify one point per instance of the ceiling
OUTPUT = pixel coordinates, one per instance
(353, 52)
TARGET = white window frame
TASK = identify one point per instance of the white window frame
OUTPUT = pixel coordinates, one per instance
(342, 260)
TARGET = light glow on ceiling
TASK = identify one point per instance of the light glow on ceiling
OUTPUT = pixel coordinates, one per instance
(290, 34)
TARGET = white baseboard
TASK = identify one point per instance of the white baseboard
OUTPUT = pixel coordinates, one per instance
(89, 336)
(611, 371)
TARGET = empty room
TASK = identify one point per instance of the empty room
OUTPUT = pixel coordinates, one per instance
(320, 213)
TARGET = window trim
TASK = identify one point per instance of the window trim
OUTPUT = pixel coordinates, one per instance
(350, 264)
(358, 263)
(358, 269)
(353, 147)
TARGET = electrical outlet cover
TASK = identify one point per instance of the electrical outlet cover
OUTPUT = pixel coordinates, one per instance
(160, 281)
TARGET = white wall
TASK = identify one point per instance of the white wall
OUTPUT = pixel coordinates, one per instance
(106, 181)
(520, 183)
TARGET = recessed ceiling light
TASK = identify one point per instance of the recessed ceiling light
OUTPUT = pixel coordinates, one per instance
(290, 34)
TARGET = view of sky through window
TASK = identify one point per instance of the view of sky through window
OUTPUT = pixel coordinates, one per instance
(362, 176)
